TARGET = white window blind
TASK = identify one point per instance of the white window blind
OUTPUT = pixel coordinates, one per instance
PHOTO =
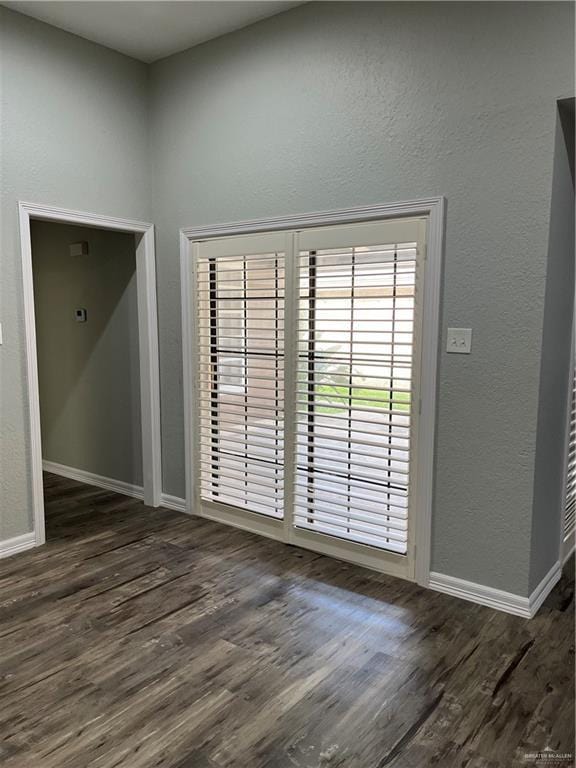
(307, 382)
(355, 351)
(240, 303)
(570, 509)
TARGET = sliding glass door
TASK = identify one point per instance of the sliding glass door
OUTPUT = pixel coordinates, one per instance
(306, 347)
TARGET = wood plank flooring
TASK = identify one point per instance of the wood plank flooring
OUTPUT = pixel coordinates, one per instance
(144, 638)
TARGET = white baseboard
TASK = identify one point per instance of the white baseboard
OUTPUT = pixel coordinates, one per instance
(173, 502)
(82, 476)
(497, 598)
(478, 593)
(545, 587)
(568, 546)
(17, 544)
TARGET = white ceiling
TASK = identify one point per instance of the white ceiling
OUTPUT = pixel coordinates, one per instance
(149, 30)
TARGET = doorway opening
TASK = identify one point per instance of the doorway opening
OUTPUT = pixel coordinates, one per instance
(92, 352)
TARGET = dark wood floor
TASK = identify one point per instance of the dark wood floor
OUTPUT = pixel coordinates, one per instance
(140, 638)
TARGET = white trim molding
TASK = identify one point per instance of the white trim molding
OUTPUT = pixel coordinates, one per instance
(320, 219)
(526, 607)
(89, 478)
(148, 346)
(544, 588)
(173, 502)
(434, 209)
(568, 546)
(17, 544)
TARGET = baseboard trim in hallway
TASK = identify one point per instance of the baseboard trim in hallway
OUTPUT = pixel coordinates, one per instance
(17, 544)
(82, 476)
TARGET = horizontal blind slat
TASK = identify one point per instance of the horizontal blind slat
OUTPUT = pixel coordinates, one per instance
(353, 525)
(363, 496)
(398, 521)
(382, 542)
(386, 487)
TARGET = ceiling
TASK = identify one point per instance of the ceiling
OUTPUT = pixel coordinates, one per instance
(149, 30)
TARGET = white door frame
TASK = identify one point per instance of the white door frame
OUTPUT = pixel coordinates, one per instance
(434, 210)
(148, 346)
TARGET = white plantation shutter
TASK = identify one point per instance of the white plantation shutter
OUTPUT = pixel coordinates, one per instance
(307, 384)
(570, 507)
(240, 305)
(354, 393)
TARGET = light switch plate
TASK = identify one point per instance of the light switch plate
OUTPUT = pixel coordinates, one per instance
(459, 341)
(79, 249)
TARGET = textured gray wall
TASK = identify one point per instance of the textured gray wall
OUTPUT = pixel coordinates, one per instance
(73, 133)
(89, 372)
(326, 106)
(332, 105)
(555, 366)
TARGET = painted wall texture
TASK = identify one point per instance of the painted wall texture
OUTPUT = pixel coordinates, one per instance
(73, 133)
(324, 107)
(88, 372)
(334, 105)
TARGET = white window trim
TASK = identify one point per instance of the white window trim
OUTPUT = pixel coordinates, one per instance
(568, 543)
(148, 347)
(434, 210)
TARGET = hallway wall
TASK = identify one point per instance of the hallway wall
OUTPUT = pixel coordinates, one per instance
(88, 372)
